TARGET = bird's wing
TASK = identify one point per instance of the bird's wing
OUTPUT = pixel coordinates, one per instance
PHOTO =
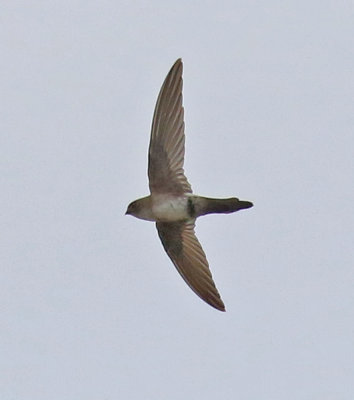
(186, 253)
(166, 150)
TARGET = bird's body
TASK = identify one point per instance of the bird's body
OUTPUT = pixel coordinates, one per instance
(167, 208)
(170, 208)
(171, 204)
(161, 207)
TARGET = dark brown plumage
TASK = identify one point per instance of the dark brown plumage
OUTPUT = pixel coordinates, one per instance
(171, 203)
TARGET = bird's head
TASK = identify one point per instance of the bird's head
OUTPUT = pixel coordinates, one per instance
(141, 208)
(133, 208)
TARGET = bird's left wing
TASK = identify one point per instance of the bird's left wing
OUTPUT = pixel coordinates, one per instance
(166, 150)
(186, 253)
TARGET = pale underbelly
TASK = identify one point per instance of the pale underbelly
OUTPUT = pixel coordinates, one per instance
(170, 209)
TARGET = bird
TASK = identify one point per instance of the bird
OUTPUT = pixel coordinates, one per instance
(171, 204)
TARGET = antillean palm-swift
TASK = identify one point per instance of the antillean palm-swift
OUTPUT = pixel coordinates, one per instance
(172, 204)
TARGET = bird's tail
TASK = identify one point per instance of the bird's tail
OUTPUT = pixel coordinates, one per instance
(206, 205)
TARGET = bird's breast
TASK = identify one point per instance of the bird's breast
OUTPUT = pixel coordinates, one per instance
(170, 208)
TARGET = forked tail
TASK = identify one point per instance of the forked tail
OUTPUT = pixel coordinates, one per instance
(206, 205)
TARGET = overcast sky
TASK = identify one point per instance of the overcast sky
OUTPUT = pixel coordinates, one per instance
(91, 306)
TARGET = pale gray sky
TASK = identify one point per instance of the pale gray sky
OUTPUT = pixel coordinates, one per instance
(91, 306)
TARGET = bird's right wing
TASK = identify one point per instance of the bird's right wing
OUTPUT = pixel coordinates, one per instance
(186, 253)
(166, 150)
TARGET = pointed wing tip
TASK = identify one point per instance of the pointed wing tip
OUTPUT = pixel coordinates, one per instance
(178, 64)
(220, 306)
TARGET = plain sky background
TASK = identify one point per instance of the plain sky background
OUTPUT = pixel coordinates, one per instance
(91, 306)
